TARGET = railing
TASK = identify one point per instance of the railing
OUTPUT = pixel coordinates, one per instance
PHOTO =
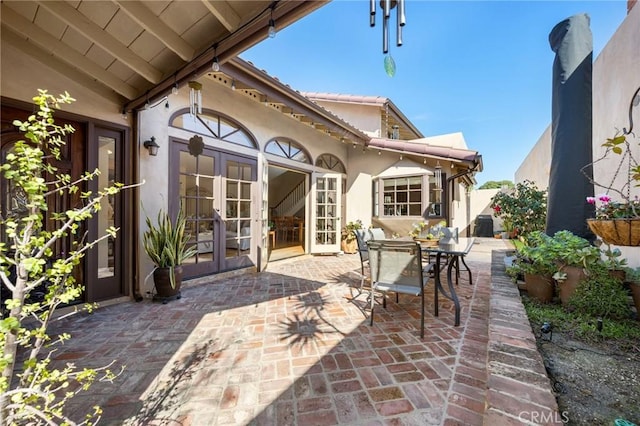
(291, 203)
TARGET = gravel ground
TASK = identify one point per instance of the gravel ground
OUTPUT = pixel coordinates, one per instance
(595, 383)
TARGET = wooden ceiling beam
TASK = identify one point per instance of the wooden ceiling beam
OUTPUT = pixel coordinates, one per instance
(51, 61)
(147, 20)
(21, 25)
(93, 32)
(223, 13)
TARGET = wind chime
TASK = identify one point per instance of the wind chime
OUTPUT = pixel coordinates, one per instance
(195, 98)
(386, 6)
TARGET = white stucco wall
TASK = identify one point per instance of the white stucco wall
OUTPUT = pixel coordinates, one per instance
(537, 164)
(616, 76)
(480, 199)
(363, 117)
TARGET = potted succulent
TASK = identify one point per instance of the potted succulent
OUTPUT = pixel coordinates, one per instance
(166, 245)
(348, 243)
(537, 264)
(573, 256)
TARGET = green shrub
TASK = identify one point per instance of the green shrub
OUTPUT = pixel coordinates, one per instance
(601, 295)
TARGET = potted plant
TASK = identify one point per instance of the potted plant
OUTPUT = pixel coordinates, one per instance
(613, 260)
(633, 278)
(573, 256)
(617, 221)
(426, 234)
(166, 245)
(537, 264)
(348, 242)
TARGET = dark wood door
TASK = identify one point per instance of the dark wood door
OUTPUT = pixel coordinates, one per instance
(72, 162)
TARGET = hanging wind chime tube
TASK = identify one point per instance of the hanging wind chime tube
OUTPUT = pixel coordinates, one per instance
(195, 98)
(438, 176)
(386, 6)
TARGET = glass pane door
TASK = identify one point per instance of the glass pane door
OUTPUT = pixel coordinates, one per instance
(325, 213)
(197, 195)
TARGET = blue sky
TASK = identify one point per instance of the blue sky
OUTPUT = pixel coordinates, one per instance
(482, 68)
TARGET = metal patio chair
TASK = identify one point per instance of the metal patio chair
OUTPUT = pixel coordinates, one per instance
(397, 266)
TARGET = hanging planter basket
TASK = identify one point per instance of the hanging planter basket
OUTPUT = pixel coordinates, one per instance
(620, 232)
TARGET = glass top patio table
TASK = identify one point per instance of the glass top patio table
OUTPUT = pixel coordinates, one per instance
(455, 249)
(451, 246)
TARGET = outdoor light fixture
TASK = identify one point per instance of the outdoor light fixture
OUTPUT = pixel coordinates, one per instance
(547, 329)
(438, 175)
(195, 98)
(174, 89)
(233, 85)
(151, 146)
(215, 66)
(386, 6)
(272, 25)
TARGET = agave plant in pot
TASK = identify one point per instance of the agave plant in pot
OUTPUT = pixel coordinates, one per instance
(166, 245)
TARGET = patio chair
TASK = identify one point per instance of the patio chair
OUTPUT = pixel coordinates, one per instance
(397, 266)
(376, 234)
(362, 236)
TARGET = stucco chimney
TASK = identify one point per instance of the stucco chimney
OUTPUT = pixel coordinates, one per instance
(630, 4)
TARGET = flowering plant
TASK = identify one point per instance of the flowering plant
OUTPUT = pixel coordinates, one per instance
(606, 208)
(433, 233)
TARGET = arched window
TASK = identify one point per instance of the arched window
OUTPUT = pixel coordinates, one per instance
(287, 149)
(211, 123)
(331, 162)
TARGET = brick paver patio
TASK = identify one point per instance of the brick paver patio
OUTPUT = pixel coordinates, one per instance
(290, 346)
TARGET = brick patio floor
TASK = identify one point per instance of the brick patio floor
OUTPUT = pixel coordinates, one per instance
(290, 346)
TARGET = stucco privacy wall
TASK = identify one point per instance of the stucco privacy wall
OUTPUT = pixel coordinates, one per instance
(480, 200)
(263, 122)
(23, 75)
(537, 163)
(616, 76)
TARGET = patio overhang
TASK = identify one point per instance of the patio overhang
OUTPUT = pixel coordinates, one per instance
(466, 158)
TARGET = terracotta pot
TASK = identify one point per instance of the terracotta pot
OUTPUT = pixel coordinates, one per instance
(162, 280)
(620, 274)
(568, 286)
(349, 246)
(539, 287)
(635, 294)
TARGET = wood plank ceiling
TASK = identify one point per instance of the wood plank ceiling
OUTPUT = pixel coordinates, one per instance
(134, 51)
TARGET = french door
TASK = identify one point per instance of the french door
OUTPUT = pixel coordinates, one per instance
(326, 196)
(215, 191)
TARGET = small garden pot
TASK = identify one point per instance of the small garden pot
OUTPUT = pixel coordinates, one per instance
(539, 287)
(567, 287)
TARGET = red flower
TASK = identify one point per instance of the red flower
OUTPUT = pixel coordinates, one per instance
(496, 209)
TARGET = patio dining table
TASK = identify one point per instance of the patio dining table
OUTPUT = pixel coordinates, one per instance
(456, 249)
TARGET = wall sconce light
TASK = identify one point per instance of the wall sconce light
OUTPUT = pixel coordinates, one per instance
(151, 146)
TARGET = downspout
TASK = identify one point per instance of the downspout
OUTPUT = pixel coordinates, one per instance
(135, 210)
(451, 180)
